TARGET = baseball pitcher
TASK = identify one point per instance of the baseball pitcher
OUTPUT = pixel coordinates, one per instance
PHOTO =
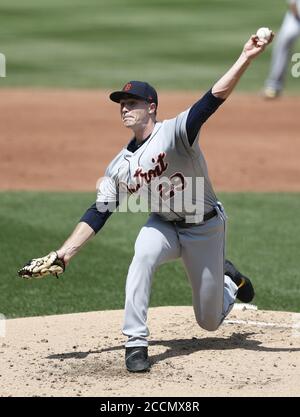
(164, 163)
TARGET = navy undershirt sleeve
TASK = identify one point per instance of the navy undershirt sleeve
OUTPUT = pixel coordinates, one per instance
(94, 218)
(200, 112)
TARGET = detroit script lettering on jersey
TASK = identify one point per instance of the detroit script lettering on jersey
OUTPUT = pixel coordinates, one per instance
(147, 176)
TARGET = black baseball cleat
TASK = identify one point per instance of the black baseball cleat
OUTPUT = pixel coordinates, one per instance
(245, 292)
(136, 359)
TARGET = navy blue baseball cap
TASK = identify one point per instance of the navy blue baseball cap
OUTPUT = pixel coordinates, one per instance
(137, 89)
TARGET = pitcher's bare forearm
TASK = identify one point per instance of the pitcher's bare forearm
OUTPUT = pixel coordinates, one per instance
(252, 48)
(81, 234)
(226, 84)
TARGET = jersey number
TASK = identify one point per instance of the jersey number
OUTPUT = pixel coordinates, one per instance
(169, 186)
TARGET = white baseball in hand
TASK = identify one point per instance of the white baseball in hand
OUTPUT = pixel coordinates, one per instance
(264, 34)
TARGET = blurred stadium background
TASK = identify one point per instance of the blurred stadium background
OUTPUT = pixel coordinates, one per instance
(99, 43)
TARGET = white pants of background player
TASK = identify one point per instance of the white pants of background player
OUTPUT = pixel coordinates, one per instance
(289, 31)
(201, 248)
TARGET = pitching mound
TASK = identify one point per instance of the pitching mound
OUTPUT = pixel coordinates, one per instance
(254, 353)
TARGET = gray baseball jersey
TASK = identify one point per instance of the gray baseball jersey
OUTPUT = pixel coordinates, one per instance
(166, 165)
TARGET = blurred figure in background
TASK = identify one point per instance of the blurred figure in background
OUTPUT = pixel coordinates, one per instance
(288, 33)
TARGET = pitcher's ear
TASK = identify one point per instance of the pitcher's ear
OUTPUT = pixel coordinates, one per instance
(152, 108)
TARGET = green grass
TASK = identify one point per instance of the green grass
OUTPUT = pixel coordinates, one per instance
(104, 43)
(263, 240)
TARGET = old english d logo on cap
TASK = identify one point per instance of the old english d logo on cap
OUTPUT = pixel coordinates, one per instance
(127, 87)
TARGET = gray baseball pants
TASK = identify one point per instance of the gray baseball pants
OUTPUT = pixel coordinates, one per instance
(201, 248)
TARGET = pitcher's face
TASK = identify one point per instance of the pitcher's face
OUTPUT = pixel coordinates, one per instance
(134, 112)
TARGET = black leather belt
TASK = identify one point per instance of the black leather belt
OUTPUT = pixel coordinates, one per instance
(206, 217)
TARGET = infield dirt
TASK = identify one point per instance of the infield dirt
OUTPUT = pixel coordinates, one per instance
(83, 355)
(54, 140)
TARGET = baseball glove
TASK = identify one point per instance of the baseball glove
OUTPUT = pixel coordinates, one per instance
(41, 267)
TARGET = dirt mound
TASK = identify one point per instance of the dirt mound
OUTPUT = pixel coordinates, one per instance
(254, 353)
